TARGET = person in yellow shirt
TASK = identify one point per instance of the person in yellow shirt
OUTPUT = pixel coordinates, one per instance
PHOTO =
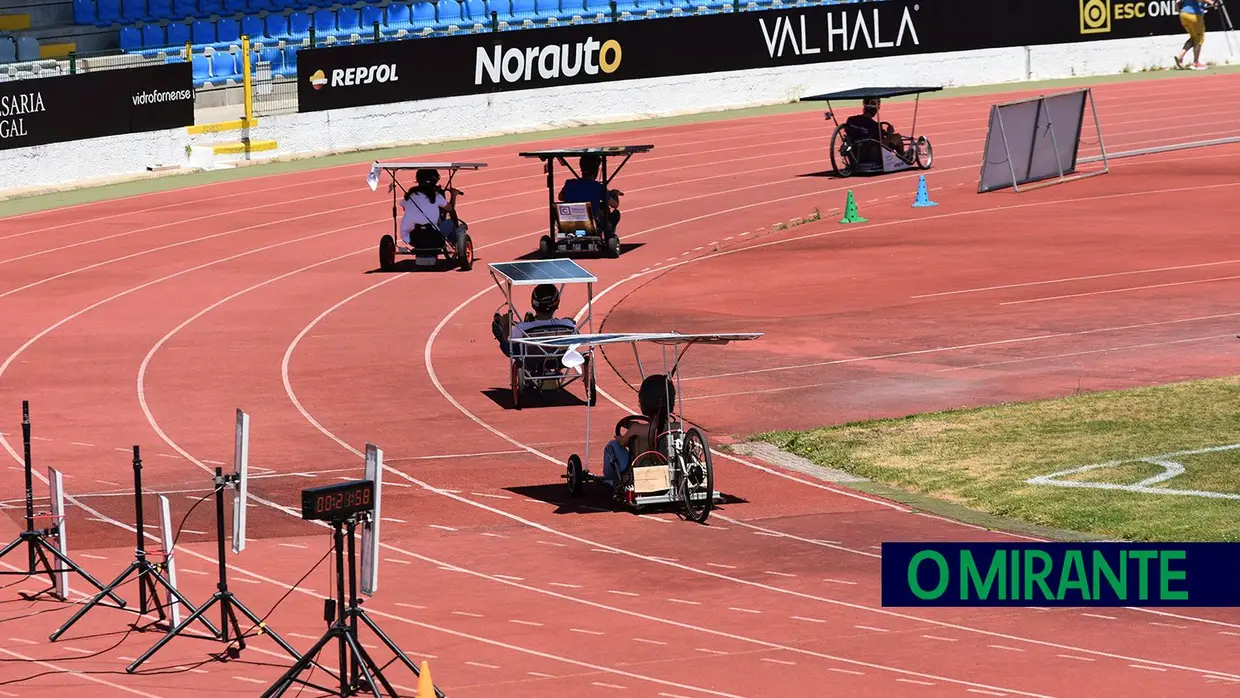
(1193, 19)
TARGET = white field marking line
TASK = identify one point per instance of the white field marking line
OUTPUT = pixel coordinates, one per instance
(479, 664)
(849, 671)
(788, 663)
(1070, 279)
(1150, 668)
(78, 270)
(989, 364)
(7, 362)
(950, 106)
(943, 639)
(1098, 615)
(742, 610)
(170, 334)
(1199, 620)
(73, 672)
(1122, 290)
(1171, 469)
(649, 642)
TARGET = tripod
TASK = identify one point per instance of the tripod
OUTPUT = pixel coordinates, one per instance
(150, 575)
(37, 547)
(343, 628)
(229, 605)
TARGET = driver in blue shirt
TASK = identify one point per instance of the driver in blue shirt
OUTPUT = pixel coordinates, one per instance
(588, 189)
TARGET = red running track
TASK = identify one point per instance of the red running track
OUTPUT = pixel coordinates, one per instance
(183, 305)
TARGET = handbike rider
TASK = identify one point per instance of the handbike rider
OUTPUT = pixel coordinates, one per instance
(426, 209)
(867, 123)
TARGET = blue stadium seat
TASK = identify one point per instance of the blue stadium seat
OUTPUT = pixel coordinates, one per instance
(277, 26)
(133, 10)
(449, 12)
(476, 10)
(108, 13)
(204, 32)
(275, 57)
(227, 31)
(206, 8)
(201, 68)
(370, 15)
(347, 19)
(596, 6)
(260, 5)
(184, 9)
(252, 26)
(223, 67)
(83, 11)
(522, 9)
(234, 7)
(159, 9)
(153, 36)
(8, 50)
(178, 34)
(298, 24)
(282, 5)
(398, 16)
(131, 39)
(423, 14)
(324, 23)
(656, 5)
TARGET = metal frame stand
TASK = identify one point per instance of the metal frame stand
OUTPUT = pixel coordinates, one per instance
(35, 539)
(229, 605)
(353, 657)
(150, 575)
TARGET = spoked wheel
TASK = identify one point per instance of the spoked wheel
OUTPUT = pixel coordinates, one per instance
(613, 246)
(697, 482)
(841, 152)
(387, 253)
(467, 254)
(516, 384)
(925, 153)
(574, 475)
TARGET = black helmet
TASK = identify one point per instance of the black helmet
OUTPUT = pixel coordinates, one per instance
(590, 162)
(428, 178)
(546, 297)
(656, 395)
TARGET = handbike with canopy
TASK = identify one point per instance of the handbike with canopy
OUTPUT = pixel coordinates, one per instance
(426, 246)
(539, 368)
(856, 151)
(577, 225)
(677, 467)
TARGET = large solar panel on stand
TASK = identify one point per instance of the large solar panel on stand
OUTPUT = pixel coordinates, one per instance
(543, 271)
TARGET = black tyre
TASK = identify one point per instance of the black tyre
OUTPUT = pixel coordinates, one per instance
(841, 154)
(574, 475)
(466, 254)
(544, 246)
(925, 153)
(697, 482)
(387, 253)
(613, 246)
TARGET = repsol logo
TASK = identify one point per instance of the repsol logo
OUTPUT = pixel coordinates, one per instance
(551, 61)
(364, 75)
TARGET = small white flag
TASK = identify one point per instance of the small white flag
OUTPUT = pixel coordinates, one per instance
(573, 359)
(373, 178)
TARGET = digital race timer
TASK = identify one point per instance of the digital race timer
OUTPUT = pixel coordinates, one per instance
(335, 502)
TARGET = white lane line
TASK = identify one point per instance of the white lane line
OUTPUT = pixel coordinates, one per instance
(839, 581)
(466, 613)
(622, 593)
(846, 671)
(920, 683)
(808, 620)
(566, 586)
(608, 685)
(944, 639)
(689, 603)
(587, 632)
(649, 642)
(709, 651)
(1005, 647)
(986, 693)
(779, 574)
(1098, 615)
(525, 622)
(480, 664)
(721, 565)
(1147, 668)
(868, 627)
(508, 576)
(443, 528)
(778, 661)
(397, 561)
(742, 610)
(1079, 659)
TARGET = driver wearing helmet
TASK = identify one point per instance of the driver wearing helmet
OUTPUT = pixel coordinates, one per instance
(866, 125)
(426, 208)
(655, 397)
(545, 300)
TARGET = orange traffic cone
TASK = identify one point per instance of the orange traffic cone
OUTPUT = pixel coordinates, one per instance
(426, 687)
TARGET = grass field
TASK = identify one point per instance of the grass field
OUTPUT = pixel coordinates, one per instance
(981, 458)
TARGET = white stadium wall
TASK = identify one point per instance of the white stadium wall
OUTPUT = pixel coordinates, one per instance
(456, 118)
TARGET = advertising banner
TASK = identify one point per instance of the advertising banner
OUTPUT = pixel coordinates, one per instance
(90, 105)
(463, 64)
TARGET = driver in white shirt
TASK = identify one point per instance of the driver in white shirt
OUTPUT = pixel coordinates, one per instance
(426, 207)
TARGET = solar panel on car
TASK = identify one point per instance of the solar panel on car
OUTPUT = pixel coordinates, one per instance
(543, 271)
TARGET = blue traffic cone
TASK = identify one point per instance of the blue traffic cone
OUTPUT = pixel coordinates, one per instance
(923, 195)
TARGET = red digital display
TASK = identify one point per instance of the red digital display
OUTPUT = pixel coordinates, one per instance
(338, 501)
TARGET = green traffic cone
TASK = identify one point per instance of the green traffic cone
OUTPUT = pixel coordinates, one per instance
(850, 211)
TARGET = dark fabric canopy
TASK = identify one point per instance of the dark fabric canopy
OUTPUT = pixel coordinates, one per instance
(870, 93)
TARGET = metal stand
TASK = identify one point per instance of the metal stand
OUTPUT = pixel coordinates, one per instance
(35, 539)
(229, 605)
(343, 628)
(150, 575)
